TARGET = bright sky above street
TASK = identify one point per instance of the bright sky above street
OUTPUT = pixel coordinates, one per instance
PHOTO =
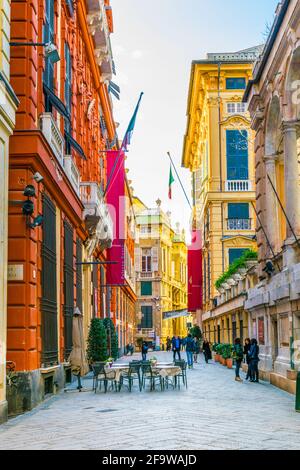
(153, 46)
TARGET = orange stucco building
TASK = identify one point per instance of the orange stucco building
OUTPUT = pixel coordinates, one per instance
(63, 124)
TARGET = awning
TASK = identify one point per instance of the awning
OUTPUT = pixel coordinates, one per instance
(72, 142)
(56, 102)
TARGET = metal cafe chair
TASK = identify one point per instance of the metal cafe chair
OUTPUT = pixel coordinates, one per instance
(98, 374)
(182, 375)
(110, 377)
(153, 378)
(133, 374)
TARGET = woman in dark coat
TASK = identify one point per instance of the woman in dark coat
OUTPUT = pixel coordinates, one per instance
(254, 359)
(206, 350)
(247, 346)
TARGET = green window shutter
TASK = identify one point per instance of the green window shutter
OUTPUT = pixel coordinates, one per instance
(146, 288)
(237, 155)
(235, 83)
(238, 211)
(236, 253)
(147, 317)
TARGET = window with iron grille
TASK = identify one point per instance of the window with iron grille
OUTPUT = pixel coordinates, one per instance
(238, 216)
(68, 287)
(48, 35)
(49, 285)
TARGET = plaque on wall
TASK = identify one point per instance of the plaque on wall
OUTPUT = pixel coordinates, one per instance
(15, 272)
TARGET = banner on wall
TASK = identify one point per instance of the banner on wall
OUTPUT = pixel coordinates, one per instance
(195, 297)
(115, 198)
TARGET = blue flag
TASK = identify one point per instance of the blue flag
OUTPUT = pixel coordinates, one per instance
(129, 132)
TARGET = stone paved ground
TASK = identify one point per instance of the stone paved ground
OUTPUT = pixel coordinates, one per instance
(214, 413)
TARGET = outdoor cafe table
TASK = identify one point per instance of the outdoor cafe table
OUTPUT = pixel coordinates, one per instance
(115, 371)
(167, 372)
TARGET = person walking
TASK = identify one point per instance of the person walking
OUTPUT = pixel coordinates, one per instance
(239, 354)
(254, 359)
(189, 348)
(247, 346)
(206, 350)
(196, 349)
(176, 343)
(169, 344)
(144, 350)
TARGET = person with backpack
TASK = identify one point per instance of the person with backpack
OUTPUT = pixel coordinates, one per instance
(176, 344)
(254, 359)
(189, 347)
(196, 349)
(239, 355)
(144, 350)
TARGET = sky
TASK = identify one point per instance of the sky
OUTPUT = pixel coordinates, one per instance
(154, 43)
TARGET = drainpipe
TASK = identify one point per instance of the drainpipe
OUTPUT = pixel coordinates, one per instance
(220, 162)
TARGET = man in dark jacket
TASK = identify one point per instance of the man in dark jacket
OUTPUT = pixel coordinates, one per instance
(144, 350)
(189, 347)
(176, 347)
(254, 359)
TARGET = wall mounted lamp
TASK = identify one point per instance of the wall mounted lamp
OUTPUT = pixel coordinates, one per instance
(51, 51)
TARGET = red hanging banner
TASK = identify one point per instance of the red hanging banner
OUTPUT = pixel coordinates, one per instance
(115, 199)
(195, 298)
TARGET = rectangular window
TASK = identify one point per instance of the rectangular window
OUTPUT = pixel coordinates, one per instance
(146, 261)
(147, 317)
(48, 36)
(236, 108)
(238, 217)
(235, 83)
(235, 253)
(238, 211)
(146, 288)
(237, 155)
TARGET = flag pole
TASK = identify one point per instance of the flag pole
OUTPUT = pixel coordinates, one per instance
(172, 163)
(124, 144)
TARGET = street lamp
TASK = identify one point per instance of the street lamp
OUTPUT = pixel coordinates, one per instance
(51, 51)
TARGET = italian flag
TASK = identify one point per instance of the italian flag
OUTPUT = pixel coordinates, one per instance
(171, 181)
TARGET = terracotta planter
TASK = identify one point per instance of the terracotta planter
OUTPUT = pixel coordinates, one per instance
(217, 358)
(229, 363)
(223, 361)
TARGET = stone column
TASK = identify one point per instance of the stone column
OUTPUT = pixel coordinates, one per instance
(271, 213)
(291, 177)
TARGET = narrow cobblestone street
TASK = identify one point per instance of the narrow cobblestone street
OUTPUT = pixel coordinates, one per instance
(214, 412)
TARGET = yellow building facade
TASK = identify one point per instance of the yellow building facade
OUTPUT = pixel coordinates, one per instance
(219, 152)
(8, 105)
(161, 277)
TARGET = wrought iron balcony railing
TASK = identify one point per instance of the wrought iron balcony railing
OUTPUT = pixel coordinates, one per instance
(239, 224)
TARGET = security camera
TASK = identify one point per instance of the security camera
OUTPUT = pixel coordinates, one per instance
(38, 177)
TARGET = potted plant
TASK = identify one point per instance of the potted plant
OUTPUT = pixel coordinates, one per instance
(226, 353)
(153, 361)
(110, 361)
(97, 342)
